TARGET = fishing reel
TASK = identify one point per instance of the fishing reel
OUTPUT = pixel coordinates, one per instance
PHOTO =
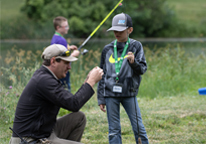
(84, 51)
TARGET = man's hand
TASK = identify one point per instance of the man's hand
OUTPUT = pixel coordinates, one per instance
(94, 76)
(75, 53)
(102, 106)
(130, 57)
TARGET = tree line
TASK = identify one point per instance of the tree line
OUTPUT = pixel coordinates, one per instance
(151, 18)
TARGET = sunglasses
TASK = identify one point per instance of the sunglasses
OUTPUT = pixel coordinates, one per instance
(66, 27)
(66, 53)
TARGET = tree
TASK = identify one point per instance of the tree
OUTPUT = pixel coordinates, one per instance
(149, 17)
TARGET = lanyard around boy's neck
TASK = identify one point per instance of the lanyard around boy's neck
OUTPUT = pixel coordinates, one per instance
(56, 33)
(118, 65)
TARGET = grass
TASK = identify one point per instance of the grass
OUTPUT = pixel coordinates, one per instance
(172, 110)
(10, 9)
(178, 119)
(191, 12)
(175, 119)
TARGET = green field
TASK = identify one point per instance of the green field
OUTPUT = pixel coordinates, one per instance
(10, 9)
(168, 120)
(191, 12)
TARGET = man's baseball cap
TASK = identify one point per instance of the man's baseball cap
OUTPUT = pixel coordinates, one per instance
(121, 22)
(58, 51)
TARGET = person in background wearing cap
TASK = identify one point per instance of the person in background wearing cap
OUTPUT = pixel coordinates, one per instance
(61, 27)
(43, 96)
(123, 62)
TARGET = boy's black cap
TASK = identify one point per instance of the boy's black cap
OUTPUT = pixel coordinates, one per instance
(121, 22)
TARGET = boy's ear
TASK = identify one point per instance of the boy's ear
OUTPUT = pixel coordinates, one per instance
(57, 27)
(130, 30)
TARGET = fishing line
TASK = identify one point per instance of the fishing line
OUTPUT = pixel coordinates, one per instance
(135, 102)
(139, 139)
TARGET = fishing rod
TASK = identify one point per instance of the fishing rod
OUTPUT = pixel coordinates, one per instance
(85, 50)
(22, 140)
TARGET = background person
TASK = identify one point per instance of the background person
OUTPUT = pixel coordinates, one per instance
(123, 62)
(61, 27)
(43, 96)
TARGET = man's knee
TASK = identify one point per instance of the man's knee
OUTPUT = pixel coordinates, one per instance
(81, 117)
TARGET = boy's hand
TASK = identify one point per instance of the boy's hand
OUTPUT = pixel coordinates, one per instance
(130, 57)
(102, 106)
(73, 47)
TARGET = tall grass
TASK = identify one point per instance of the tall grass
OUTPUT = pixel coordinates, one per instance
(172, 71)
(189, 11)
(171, 108)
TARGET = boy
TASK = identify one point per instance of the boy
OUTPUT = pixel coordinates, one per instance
(61, 28)
(123, 62)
